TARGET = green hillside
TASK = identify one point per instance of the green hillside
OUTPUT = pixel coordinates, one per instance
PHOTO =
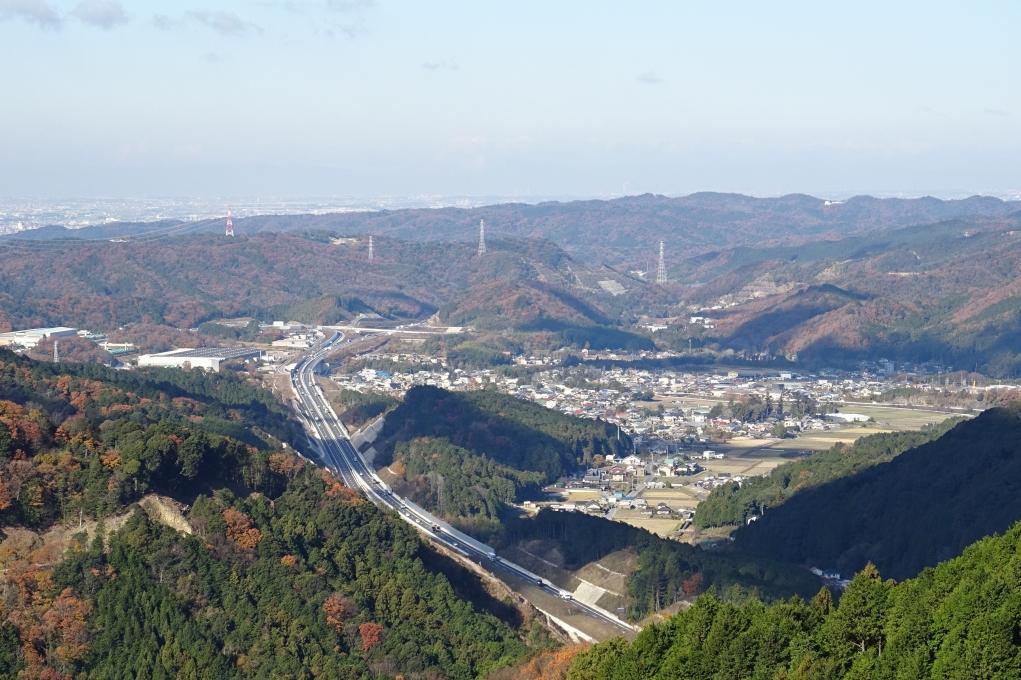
(272, 569)
(923, 506)
(464, 454)
(733, 504)
(668, 572)
(959, 620)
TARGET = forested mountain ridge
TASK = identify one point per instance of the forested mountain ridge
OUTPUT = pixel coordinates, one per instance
(465, 454)
(921, 507)
(915, 280)
(947, 291)
(286, 572)
(183, 281)
(83, 437)
(619, 231)
(734, 504)
(958, 620)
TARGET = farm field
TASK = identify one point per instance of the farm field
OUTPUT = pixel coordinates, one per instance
(660, 526)
(897, 418)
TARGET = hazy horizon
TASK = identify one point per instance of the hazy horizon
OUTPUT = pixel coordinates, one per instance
(369, 98)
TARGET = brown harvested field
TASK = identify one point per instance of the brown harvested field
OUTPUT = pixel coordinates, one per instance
(660, 527)
(678, 496)
(743, 466)
(578, 495)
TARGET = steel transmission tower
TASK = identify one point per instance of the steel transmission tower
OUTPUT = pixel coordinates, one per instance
(661, 267)
(56, 351)
(372, 250)
(482, 237)
(230, 224)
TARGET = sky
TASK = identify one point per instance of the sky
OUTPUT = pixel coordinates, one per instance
(366, 98)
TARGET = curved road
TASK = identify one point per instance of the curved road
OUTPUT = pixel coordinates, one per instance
(340, 456)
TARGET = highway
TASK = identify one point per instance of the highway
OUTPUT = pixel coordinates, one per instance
(339, 455)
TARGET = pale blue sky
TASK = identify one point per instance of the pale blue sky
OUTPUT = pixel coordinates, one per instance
(382, 97)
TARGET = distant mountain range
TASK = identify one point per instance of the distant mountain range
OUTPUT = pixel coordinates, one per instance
(913, 279)
(185, 280)
(622, 231)
(950, 291)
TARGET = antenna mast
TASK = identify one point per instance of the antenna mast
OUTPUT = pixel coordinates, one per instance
(482, 238)
(230, 224)
(56, 351)
(372, 249)
(661, 267)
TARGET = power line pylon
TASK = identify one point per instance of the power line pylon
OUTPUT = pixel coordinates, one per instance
(661, 267)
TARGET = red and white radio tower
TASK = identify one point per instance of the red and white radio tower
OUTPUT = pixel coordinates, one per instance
(230, 224)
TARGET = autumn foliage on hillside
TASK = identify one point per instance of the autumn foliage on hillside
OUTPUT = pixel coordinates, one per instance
(185, 281)
(551, 665)
(947, 292)
(80, 438)
(240, 529)
(285, 568)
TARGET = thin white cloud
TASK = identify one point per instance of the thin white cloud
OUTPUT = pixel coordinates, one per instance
(224, 23)
(996, 112)
(442, 65)
(350, 5)
(105, 14)
(163, 22)
(38, 12)
(351, 17)
(649, 78)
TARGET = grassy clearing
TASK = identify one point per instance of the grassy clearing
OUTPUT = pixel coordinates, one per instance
(661, 527)
(892, 418)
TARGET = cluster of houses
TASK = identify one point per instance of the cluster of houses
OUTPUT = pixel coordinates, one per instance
(618, 394)
(633, 468)
(619, 500)
(713, 481)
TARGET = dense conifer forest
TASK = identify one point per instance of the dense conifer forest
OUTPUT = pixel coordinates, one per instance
(465, 454)
(922, 507)
(734, 504)
(961, 619)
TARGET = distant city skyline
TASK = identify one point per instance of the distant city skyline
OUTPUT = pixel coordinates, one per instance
(361, 99)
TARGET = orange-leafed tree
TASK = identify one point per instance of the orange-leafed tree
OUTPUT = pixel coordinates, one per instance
(240, 529)
(284, 464)
(337, 608)
(371, 635)
(691, 585)
(111, 458)
(64, 627)
(5, 497)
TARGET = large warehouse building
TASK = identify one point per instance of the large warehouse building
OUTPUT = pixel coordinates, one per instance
(31, 337)
(207, 358)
